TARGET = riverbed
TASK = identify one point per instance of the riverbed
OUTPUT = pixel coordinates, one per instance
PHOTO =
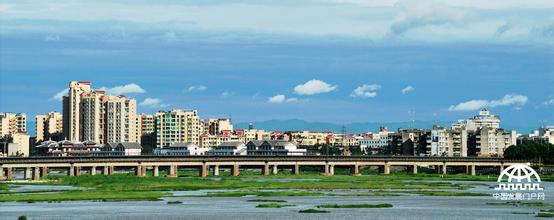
(219, 208)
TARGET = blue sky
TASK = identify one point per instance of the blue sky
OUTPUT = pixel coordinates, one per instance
(338, 61)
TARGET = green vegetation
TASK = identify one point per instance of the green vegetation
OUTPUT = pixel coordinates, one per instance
(266, 200)
(545, 215)
(313, 211)
(541, 152)
(174, 202)
(518, 203)
(448, 193)
(549, 210)
(522, 213)
(22, 217)
(129, 187)
(334, 206)
(272, 205)
(95, 195)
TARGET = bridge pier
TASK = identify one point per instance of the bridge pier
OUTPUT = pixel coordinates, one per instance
(71, 171)
(155, 171)
(265, 170)
(77, 171)
(296, 170)
(106, 170)
(44, 172)
(2, 173)
(172, 171)
(275, 169)
(204, 170)
(414, 169)
(28, 173)
(472, 172)
(216, 170)
(386, 169)
(93, 170)
(325, 170)
(36, 174)
(355, 170)
(236, 170)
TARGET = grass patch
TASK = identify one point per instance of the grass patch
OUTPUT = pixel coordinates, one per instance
(261, 194)
(337, 206)
(545, 215)
(448, 193)
(522, 213)
(265, 200)
(272, 205)
(519, 203)
(84, 195)
(174, 202)
(549, 210)
(313, 211)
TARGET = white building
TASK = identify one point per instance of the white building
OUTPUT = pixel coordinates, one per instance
(276, 147)
(184, 149)
(121, 149)
(229, 148)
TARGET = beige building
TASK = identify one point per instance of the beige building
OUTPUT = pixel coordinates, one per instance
(91, 115)
(308, 138)
(211, 141)
(11, 123)
(449, 142)
(491, 142)
(19, 145)
(120, 119)
(178, 126)
(72, 110)
(49, 126)
(214, 126)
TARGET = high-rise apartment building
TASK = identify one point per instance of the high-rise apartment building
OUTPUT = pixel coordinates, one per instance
(178, 126)
(214, 126)
(91, 115)
(49, 126)
(11, 123)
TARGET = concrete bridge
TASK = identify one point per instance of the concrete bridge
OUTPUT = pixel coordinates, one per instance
(36, 167)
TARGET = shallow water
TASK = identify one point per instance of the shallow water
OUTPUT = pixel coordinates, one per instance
(405, 207)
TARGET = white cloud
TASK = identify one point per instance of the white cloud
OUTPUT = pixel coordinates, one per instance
(313, 87)
(507, 100)
(407, 89)
(153, 103)
(291, 100)
(548, 102)
(276, 99)
(366, 91)
(197, 88)
(125, 89)
(59, 96)
(226, 94)
(416, 14)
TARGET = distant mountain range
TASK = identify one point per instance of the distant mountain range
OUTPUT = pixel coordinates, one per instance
(360, 127)
(354, 128)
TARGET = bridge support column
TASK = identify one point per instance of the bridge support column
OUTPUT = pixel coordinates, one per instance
(386, 169)
(44, 172)
(472, 170)
(106, 170)
(414, 169)
(9, 173)
(2, 173)
(77, 171)
(331, 170)
(155, 171)
(296, 169)
(71, 170)
(501, 168)
(444, 170)
(275, 169)
(28, 173)
(355, 170)
(140, 170)
(36, 174)
(236, 170)
(325, 170)
(216, 170)
(266, 169)
(172, 171)
(93, 170)
(204, 170)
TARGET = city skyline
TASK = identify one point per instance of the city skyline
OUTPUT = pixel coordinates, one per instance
(392, 62)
